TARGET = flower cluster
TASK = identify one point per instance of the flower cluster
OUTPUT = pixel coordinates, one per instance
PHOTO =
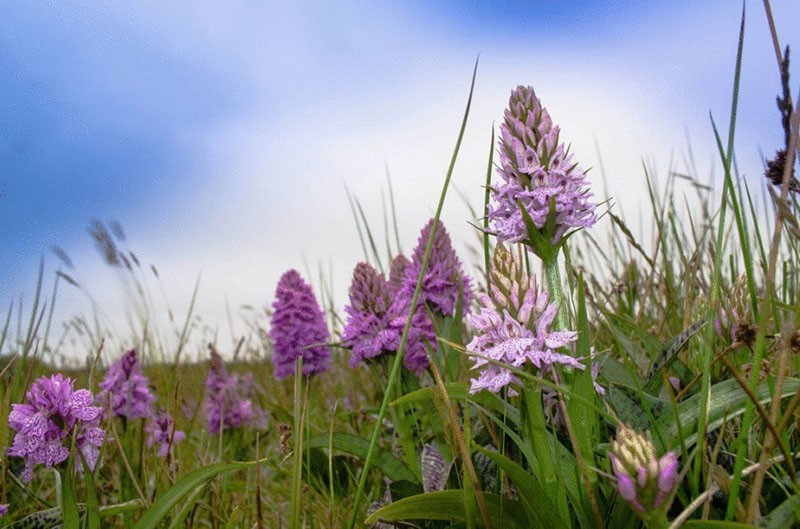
(225, 404)
(513, 327)
(298, 328)
(379, 308)
(127, 388)
(368, 332)
(644, 480)
(538, 175)
(444, 284)
(161, 432)
(46, 422)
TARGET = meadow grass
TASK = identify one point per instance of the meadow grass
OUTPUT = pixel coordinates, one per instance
(693, 337)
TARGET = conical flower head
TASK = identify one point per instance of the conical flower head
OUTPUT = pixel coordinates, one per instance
(515, 331)
(225, 404)
(643, 479)
(369, 291)
(128, 388)
(538, 175)
(443, 281)
(45, 423)
(443, 284)
(298, 328)
(368, 332)
(509, 284)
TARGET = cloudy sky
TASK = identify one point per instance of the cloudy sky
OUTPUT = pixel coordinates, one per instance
(223, 139)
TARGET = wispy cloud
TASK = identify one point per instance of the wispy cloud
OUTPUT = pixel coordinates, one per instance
(223, 138)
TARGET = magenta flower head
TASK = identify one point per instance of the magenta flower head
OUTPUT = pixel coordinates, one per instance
(514, 327)
(45, 423)
(368, 332)
(643, 479)
(161, 432)
(444, 281)
(124, 381)
(444, 284)
(298, 328)
(539, 176)
(225, 405)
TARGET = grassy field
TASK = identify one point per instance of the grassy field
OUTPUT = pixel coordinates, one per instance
(655, 383)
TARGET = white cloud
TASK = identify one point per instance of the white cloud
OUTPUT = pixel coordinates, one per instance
(343, 97)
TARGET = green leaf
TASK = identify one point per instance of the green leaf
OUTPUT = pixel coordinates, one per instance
(448, 505)
(92, 507)
(727, 400)
(714, 524)
(582, 416)
(153, 516)
(458, 392)
(784, 516)
(532, 494)
(188, 505)
(388, 464)
(69, 505)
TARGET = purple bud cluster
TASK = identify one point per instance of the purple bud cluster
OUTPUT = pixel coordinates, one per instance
(225, 403)
(298, 328)
(161, 432)
(127, 388)
(643, 479)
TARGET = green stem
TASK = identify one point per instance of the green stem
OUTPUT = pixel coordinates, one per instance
(556, 291)
(536, 431)
(297, 434)
(656, 521)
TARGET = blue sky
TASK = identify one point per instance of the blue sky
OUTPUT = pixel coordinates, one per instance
(222, 139)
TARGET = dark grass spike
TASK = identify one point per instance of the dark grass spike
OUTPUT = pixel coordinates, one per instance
(68, 278)
(117, 231)
(631, 239)
(62, 255)
(104, 243)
